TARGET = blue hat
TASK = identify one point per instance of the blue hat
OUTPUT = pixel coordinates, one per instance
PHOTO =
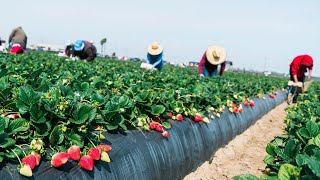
(78, 45)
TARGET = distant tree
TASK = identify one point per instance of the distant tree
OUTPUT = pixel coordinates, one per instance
(103, 46)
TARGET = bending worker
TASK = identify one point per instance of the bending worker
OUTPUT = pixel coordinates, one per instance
(299, 66)
(211, 59)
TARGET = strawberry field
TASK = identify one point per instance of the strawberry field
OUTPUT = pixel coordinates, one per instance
(49, 104)
(296, 155)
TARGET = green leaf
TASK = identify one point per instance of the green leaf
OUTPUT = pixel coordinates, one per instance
(304, 133)
(76, 139)
(112, 127)
(246, 177)
(270, 149)
(18, 125)
(313, 128)
(85, 86)
(37, 114)
(157, 110)
(22, 107)
(4, 83)
(123, 126)
(314, 165)
(266, 177)
(7, 142)
(292, 149)
(317, 140)
(56, 136)
(288, 171)
(3, 124)
(1, 159)
(85, 113)
(43, 129)
(166, 125)
(300, 160)
(269, 159)
(28, 96)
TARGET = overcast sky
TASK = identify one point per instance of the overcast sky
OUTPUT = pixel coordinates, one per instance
(253, 32)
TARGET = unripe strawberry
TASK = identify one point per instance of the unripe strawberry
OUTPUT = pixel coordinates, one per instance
(165, 134)
(179, 117)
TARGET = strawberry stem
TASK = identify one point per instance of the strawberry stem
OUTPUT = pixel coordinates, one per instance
(17, 156)
(22, 150)
(92, 143)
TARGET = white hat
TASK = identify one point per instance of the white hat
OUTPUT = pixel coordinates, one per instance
(155, 49)
(216, 54)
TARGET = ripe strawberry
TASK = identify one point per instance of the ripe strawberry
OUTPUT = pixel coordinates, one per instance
(30, 160)
(94, 153)
(251, 103)
(197, 118)
(179, 117)
(105, 157)
(104, 148)
(59, 159)
(153, 125)
(165, 134)
(13, 116)
(37, 156)
(235, 110)
(170, 115)
(74, 152)
(157, 119)
(246, 103)
(240, 109)
(159, 128)
(86, 162)
(234, 104)
(271, 95)
(25, 170)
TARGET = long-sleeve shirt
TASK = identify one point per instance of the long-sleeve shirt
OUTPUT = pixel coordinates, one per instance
(300, 64)
(210, 67)
(89, 52)
(155, 60)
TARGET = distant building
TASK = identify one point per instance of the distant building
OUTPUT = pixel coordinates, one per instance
(47, 47)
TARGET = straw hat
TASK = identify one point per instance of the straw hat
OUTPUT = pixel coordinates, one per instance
(216, 54)
(155, 49)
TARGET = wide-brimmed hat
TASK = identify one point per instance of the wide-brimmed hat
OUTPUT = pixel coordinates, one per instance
(216, 54)
(154, 49)
(78, 45)
(16, 49)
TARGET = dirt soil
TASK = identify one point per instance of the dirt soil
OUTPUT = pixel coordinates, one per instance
(245, 153)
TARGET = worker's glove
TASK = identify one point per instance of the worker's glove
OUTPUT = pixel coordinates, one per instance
(201, 75)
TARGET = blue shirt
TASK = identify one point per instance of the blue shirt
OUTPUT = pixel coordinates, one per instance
(155, 60)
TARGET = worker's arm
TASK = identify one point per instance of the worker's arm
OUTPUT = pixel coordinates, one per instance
(201, 64)
(295, 78)
(309, 75)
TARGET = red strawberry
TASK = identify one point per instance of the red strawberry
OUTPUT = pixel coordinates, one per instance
(37, 156)
(94, 153)
(170, 115)
(165, 134)
(246, 103)
(74, 152)
(30, 160)
(235, 110)
(104, 148)
(275, 93)
(13, 116)
(159, 128)
(59, 159)
(197, 118)
(240, 110)
(179, 117)
(86, 162)
(251, 103)
(271, 95)
(157, 119)
(153, 125)
(234, 104)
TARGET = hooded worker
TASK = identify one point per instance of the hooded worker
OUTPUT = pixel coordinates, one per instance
(85, 50)
(211, 59)
(299, 66)
(17, 41)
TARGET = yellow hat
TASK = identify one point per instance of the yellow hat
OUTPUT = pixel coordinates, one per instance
(216, 54)
(154, 49)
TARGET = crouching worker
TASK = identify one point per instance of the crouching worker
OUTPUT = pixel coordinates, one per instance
(154, 57)
(299, 66)
(17, 41)
(85, 50)
(211, 59)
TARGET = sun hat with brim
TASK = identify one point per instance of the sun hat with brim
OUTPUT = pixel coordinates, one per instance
(78, 45)
(154, 49)
(216, 55)
(16, 49)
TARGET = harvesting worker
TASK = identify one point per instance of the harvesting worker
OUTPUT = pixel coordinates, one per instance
(17, 41)
(154, 56)
(211, 59)
(85, 50)
(299, 66)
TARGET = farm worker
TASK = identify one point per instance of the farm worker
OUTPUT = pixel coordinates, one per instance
(154, 56)
(211, 59)
(85, 50)
(299, 66)
(17, 41)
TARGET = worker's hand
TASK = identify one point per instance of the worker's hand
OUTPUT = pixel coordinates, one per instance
(201, 75)
(308, 78)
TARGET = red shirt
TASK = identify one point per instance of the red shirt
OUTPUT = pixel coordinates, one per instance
(300, 64)
(210, 67)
